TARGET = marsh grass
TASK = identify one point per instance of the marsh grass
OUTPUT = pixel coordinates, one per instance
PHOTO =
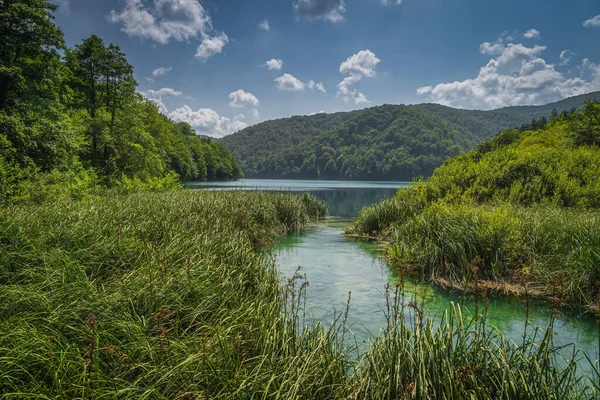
(554, 251)
(175, 296)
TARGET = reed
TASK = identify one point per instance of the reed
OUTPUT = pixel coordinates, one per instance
(175, 295)
(536, 246)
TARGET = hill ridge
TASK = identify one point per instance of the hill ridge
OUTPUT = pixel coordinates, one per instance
(375, 144)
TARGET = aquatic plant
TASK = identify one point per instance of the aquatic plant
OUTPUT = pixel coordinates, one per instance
(175, 295)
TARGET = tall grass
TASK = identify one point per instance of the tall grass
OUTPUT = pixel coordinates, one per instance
(555, 251)
(170, 296)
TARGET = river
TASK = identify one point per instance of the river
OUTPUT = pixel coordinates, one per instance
(336, 265)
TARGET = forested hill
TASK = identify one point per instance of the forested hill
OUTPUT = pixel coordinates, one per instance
(71, 120)
(391, 142)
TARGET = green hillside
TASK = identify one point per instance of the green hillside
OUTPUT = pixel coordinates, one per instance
(546, 110)
(522, 209)
(389, 142)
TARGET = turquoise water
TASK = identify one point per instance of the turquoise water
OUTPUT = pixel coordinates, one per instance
(336, 265)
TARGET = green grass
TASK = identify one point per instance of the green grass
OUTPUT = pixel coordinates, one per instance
(554, 251)
(175, 295)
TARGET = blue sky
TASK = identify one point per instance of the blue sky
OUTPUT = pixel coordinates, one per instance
(222, 65)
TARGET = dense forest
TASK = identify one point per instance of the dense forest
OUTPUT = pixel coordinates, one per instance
(71, 120)
(389, 142)
(522, 209)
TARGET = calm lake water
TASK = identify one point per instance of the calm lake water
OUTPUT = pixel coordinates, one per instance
(335, 265)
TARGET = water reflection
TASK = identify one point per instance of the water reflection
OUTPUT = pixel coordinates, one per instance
(347, 203)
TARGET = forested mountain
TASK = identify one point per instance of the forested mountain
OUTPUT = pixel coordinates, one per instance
(71, 120)
(546, 110)
(270, 136)
(394, 142)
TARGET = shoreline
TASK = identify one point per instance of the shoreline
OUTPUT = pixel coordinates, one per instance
(498, 288)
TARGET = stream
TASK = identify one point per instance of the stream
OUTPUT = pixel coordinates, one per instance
(336, 265)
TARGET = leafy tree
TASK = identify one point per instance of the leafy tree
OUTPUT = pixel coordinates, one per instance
(69, 125)
(29, 54)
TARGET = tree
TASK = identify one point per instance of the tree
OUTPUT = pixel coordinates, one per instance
(29, 58)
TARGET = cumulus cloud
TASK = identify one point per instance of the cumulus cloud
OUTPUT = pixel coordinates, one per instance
(162, 92)
(211, 46)
(361, 64)
(358, 66)
(208, 122)
(318, 86)
(274, 64)
(593, 22)
(156, 97)
(330, 10)
(242, 99)
(264, 25)
(532, 34)
(160, 72)
(289, 83)
(498, 46)
(516, 76)
(165, 20)
(491, 48)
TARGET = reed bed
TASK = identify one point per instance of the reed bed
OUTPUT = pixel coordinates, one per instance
(175, 296)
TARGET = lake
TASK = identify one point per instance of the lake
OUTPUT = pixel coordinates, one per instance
(336, 265)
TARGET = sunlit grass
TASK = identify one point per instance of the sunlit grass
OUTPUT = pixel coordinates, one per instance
(175, 295)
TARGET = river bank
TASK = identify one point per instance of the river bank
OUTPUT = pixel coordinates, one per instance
(171, 295)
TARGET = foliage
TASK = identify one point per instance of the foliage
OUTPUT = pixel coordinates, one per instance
(75, 123)
(523, 208)
(389, 142)
(172, 295)
(557, 164)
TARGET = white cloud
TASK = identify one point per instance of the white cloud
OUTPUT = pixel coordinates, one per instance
(242, 99)
(264, 25)
(156, 97)
(388, 2)
(491, 48)
(424, 90)
(592, 22)
(162, 92)
(358, 66)
(330, 10)
(314, 85)
(361, 64)
(517, 76)
(289, 83)
(211, 46)
(208, 122)
(179, 20)
(274, 64)
(566, 56)
(160, 72)
(532, 34)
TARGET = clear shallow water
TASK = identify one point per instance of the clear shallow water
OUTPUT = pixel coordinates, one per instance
(336, 265)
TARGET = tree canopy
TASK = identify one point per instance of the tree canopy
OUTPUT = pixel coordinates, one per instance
(71, 120)
(389, 142)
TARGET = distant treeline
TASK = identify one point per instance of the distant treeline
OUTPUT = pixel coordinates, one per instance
(71, 120)
(389, 142)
